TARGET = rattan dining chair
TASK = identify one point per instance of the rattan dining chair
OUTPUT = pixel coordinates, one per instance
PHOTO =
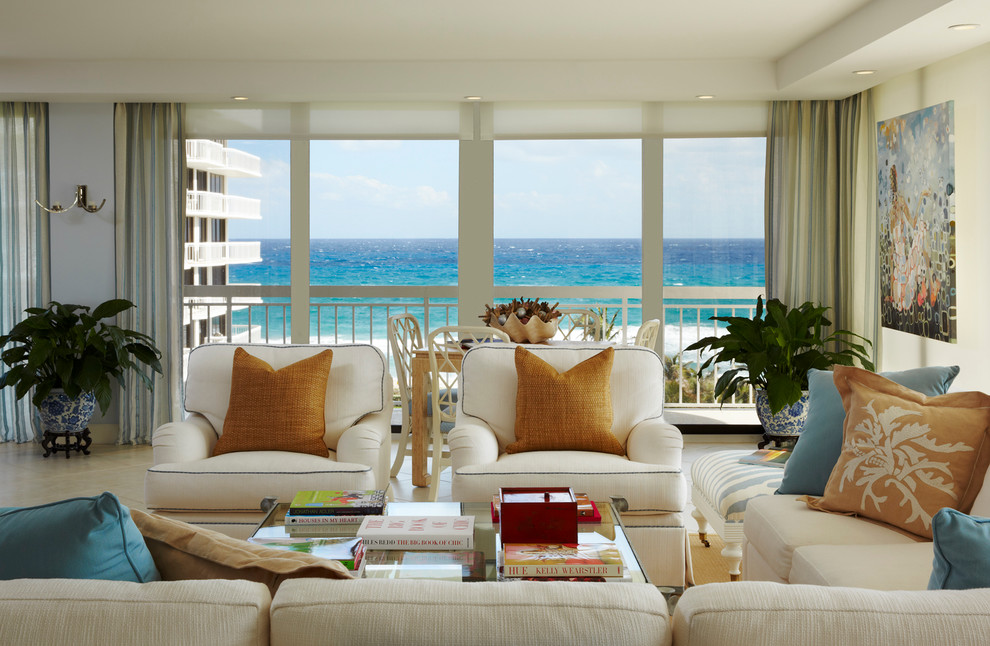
(446, 345)
(403, 338)
(647, 334)
(580, 325)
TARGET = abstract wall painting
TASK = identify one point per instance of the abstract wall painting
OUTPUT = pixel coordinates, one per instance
(916, 208)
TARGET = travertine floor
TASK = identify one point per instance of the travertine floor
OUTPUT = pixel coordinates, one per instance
(26, 478)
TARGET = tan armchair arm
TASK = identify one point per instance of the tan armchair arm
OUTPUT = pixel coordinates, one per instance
(654, 441)
(472, 442)
(369, 442)
(191, 439)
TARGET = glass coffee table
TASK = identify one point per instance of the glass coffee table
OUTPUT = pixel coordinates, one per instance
(483, 565)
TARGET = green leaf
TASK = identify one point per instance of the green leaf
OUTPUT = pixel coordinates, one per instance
(90, 373)
(111, 308)
(103, 394)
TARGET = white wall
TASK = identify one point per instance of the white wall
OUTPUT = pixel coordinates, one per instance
(964, 79)
(82, 244)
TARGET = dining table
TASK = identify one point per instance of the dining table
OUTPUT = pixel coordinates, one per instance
(419, 418)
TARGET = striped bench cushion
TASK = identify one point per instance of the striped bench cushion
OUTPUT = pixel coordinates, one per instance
(728, 485)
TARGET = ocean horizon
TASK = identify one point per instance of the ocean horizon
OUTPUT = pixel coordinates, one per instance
(729, 262)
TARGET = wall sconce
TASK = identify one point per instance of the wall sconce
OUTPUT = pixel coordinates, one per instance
(80, 201)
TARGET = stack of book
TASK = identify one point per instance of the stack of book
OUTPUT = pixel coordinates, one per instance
(574, 562)
(326, 512)
(418, 532)
(449, 566)
(348, 550)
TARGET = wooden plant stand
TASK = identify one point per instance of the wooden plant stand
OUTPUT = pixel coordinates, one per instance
(71, 442)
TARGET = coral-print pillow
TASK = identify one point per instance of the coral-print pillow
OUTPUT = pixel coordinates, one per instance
(904, 455)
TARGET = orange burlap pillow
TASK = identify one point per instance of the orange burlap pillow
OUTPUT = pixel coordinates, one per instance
(905, 455)
(276, 410)
(569, 411)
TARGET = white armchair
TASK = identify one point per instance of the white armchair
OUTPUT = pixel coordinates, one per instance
(648, 476)
(224, 492)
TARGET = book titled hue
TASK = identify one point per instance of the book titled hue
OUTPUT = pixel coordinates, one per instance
(368, 502)
(418, 532)
(568, 560)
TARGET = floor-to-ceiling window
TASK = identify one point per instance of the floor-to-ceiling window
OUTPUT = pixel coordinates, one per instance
(713, 241)
(362, 208)
(382, 213)
(568, 213)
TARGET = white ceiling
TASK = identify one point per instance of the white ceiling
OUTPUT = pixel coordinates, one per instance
(442, 50)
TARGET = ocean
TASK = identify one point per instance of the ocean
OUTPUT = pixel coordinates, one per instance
(518, 261)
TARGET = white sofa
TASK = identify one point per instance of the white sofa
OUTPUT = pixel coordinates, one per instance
(410, 612)
(787, 542)
(648, 476)
(224, 492)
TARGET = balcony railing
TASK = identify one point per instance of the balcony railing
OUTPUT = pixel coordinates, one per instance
(352, 314)
(241, 164)
(204, 204)
(203, 154)
(216, 254)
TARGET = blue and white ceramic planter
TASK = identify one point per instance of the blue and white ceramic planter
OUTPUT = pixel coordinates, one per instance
(788, 421)
(61, 414)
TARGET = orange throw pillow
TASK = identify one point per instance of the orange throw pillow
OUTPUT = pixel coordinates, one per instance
(569, 411)
(905, 455)
(276, 410)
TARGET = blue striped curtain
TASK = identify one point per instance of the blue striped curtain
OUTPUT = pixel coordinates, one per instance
(24, 268)
(821, 225)
(150, 193)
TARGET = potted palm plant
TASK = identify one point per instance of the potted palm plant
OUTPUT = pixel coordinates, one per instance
(773, 351)
(68, 356)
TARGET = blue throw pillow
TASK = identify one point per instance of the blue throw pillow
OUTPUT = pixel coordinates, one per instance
(820, 443)
(962, 561)
(78, 538)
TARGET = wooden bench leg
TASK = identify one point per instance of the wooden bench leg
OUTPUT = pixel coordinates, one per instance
(732, 553)
(703, 527)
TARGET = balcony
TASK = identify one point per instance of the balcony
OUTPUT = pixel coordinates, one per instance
(358, 314)
(241, 164)
(201, 308)
(203, 154)
(204, 204)
(218, 254)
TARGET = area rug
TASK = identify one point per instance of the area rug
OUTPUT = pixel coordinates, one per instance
(708, 563)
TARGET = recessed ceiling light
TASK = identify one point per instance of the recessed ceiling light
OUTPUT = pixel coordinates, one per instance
(966, 26)
(704, 96)
(472, 98)
(864, 72)
(239, 98)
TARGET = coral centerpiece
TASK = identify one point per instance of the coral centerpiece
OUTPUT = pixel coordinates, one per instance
(525, 321)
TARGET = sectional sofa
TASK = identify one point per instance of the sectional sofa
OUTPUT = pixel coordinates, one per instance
(410, 612)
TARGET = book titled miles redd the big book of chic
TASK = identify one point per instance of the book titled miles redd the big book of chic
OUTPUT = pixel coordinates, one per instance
(418, 532)
(566, 560)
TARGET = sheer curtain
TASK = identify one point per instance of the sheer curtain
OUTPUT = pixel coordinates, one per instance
(24, 277)
(150, 189)
(821, 227)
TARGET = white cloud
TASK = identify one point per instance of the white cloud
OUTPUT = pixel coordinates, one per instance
(530, 201)
(368, 190)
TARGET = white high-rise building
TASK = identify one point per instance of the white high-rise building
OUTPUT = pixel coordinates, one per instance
(208, 250)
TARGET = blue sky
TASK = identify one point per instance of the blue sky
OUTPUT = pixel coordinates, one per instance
(543, 188)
